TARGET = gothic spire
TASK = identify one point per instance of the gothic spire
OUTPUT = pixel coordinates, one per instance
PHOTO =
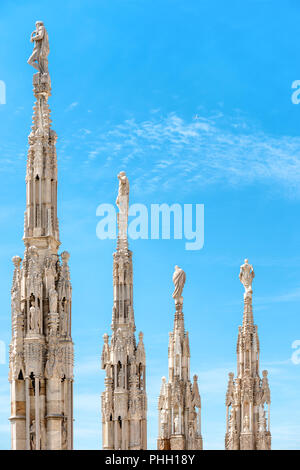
(41, 174)
(41, 349)
(247, 427)
(124, 401)
(179, 401)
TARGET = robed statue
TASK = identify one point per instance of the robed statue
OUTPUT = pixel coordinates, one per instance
(179, 281)
(123, 204)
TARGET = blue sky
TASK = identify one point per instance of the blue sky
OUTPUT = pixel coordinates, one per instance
(128, 79)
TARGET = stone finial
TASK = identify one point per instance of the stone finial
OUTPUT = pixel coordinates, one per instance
(105, 338)
(65, 256)
(39, 56)
(16, 261)
(179, 278)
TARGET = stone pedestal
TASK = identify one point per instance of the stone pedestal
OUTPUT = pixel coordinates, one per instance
(163, 444)
(198, 443)
(246, 441)
(177, 442)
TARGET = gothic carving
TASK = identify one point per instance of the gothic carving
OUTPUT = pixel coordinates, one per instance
(124, 402)
(41, 349)
(247, 426)
(179, 402)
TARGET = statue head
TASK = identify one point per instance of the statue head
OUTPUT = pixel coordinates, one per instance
(122, 174)
(39, 23)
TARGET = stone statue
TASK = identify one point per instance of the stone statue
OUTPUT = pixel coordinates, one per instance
(246, 423)
(176, 424)
(53, 296)
(64, 434)
(64, 317)
(163, 422)
(32, 436)
(38, 325)
(39, 56)
(179, 281)
(266, 394)
(262, 424)
(32, 318)
(163, 416)
(123, 204)
(246, 277)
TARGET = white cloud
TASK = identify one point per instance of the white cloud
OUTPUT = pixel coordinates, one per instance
(72, 106)
(203, 151)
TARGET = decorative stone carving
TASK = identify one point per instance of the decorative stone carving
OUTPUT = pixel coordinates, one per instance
(41, 357)
(53, 297)
(179, 402)
(39, 56)
(124, 401)
(123, 204)
(247, 427)
(246, 277)
(179, 278)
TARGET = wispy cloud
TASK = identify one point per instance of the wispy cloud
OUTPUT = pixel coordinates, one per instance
(203, 151)
(72, 106)
(290, 296)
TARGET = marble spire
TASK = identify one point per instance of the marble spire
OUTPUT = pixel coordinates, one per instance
(179, 403)
(248, 395)
(124, 401)
(41, 349)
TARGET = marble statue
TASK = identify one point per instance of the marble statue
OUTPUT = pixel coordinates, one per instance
(122, 203)
(53, 297)
(179, 278)
(39, 56)
(246, 277)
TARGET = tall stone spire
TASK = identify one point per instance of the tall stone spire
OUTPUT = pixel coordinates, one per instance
(247, 426)
(41, 349)
(179, 401)
(124, 401)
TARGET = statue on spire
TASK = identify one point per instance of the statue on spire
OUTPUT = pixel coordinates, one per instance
(246, 277)
(123, 204)
(179, 278)
(39, 56)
